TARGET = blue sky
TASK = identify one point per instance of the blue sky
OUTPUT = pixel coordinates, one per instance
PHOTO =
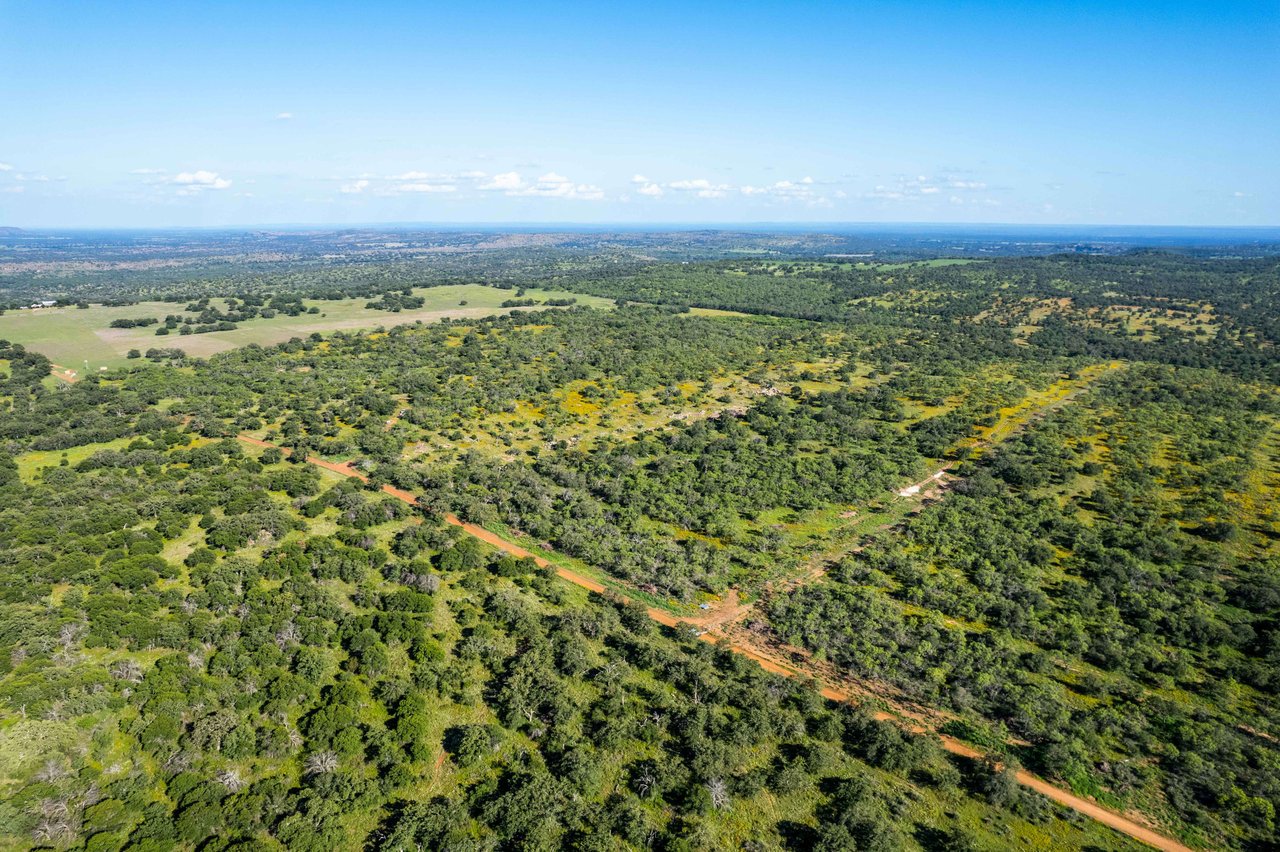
(229, 113)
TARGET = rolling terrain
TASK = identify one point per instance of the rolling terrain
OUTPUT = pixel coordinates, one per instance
(946, 555)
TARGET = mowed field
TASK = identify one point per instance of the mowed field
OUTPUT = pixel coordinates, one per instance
(71, 336)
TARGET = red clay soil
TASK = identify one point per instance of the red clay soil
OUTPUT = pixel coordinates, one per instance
(63, 374)
(1106, 816)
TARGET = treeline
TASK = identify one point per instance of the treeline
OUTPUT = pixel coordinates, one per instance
(1245, 295)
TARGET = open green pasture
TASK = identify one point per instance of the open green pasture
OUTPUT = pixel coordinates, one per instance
(81, 339)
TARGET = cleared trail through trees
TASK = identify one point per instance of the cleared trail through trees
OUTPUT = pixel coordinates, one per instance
(770, 662)
(905, 502)
(916, 495)
(345, 468)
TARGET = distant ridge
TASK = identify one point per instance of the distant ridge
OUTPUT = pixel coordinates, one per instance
(9, 230)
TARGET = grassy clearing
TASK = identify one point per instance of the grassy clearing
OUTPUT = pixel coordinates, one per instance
(1014, 417)
(82, 339)
(579, 419)
(940, 261)
(1146, 322)
(31, 464)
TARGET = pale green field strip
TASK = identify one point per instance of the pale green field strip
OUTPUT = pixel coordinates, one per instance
(71, 336)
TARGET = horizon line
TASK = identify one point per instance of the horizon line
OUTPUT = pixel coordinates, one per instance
(641, 226)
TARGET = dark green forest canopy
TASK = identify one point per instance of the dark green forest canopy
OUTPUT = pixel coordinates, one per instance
(205, 644)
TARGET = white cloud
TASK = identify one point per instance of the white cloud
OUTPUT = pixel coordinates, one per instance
(14, 189)
(790, 189)
(701, 187)
(695, 184)
(147, 172)
(884, 193)
(507, 182)
(426, 187)
(785, 189)
(194, 183)
(283, 116)
(31, 178)
(201, 179)
(646, 187)
(5, 167)
(550, 185)
(1239, 194)
(421, 181)
(918, 188)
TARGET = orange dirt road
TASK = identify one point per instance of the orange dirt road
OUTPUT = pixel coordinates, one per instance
(481, 533)
(1106, 816)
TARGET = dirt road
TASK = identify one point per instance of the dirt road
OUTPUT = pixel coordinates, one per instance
(1107, 817)
(345, 468)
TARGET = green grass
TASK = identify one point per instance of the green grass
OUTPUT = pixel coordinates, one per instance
(939, 261)
(71, 336)
(31, 464)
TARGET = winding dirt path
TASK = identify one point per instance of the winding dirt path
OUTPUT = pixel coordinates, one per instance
(770, 663)
(1104, 815)
(346, 469)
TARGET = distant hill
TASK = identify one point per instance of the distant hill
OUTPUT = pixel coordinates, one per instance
(9, 231)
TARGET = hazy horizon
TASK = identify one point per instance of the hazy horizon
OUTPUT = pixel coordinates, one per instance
(834, 227)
